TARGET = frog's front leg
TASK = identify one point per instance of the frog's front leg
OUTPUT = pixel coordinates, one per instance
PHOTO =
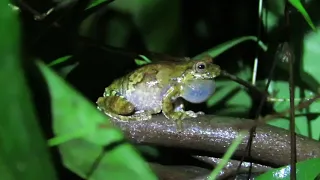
(179, 106)
(173, 108)
(119, 108)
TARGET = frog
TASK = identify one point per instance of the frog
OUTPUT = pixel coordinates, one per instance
(160, 87)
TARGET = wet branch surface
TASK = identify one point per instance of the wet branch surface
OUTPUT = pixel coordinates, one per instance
(213, 135)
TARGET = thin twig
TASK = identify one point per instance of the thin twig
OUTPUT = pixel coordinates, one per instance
(292, 123)
(242, 82)
(291, 59)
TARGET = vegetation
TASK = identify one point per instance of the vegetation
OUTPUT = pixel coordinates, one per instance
(54, 65)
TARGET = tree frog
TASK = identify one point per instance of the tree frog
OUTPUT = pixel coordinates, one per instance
(158, 87)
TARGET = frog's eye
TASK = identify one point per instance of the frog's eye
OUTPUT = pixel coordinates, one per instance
(200, 67)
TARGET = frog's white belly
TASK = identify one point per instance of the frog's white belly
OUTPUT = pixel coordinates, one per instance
(146, 98)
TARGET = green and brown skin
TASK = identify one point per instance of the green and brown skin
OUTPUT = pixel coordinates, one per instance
(155, 87)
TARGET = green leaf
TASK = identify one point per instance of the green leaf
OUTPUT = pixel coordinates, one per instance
(140, 62)
(82, 132)
(96, 3)
(144, 60)
(213, 52)
(275, 11)
(23, 152)
(59, 60)
(306, 170)
(298, 5)
(65, 70)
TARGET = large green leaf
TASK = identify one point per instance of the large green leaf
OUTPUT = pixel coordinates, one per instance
(82, 132)
(23, 152)
(306, 170)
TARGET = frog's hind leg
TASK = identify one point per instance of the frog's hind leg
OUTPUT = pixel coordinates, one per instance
(119, 108)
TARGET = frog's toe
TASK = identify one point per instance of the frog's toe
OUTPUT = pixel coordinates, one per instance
(200, 113)
(191, 114)
(194, 114)
(142, 116)
(145, 117)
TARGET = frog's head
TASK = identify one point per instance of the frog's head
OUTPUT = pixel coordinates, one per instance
(198, 80)
(202, 69)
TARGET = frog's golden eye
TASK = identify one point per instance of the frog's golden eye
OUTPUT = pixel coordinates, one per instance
(200, 67)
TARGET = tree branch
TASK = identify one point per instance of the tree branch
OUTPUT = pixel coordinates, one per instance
(213, 134)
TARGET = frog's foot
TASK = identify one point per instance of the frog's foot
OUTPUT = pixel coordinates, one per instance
(142, 115)
(115, 104)
(178, 117)
(118, 108)
(184, 114)
(138, 116)
(134, 117)
(194, 114)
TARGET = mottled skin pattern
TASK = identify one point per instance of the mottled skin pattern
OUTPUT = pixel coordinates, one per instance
(155, 87)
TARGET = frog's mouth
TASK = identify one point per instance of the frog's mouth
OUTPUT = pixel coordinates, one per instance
(210, 76)
(207, 76)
